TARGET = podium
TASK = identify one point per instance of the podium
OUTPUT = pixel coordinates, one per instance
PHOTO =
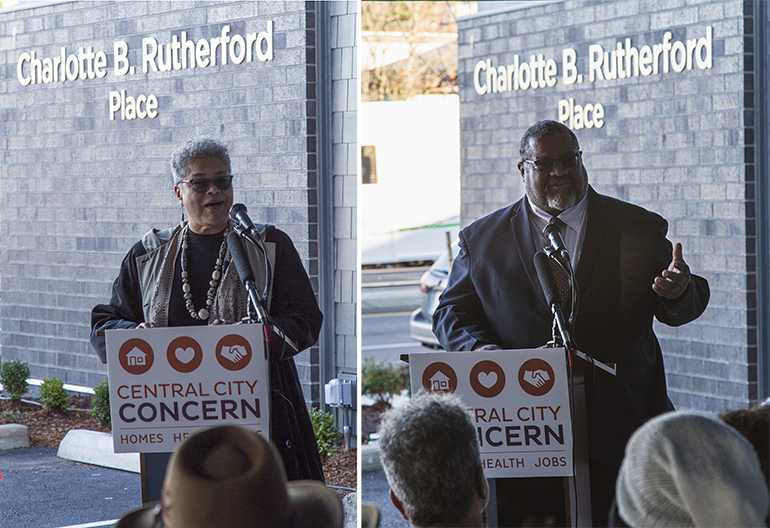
(166, 383)
(516, 499)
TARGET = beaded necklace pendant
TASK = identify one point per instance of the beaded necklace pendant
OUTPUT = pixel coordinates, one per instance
(216, 275)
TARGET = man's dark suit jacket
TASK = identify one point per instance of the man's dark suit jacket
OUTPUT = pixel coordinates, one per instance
(494, 296)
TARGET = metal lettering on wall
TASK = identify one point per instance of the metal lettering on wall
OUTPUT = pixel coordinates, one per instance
(623, 62)
(179, 54)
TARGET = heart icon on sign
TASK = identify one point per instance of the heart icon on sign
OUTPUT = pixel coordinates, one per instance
(488, 379)
(185, 355)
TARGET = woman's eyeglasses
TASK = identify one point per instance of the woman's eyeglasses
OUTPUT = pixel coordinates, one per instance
(202, 185)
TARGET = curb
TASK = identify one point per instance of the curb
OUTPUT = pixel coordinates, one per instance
(370, 457)
(93, 447)
(13, 436)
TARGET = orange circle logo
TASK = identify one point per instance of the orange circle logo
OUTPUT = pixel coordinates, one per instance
(233, 352)
(184, 354)
(136, 356)
(536, 377)
(439, 377)
(487, 379)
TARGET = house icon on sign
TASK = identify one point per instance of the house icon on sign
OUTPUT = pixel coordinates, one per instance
(439, 382)
(136, 358)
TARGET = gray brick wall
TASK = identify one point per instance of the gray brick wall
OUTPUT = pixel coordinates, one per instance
(672, 143)
(77, 190)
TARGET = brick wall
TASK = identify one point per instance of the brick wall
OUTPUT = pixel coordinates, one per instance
(77, 189)
(671, 142)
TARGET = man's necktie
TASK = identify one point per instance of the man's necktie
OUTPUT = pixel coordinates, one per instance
(560, 276)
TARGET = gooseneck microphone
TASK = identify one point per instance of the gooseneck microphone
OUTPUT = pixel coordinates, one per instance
(246, 228)
(246, 273)
(239, 215)
(240, 259)
(547, 282)
(551, 291)
(552, 234)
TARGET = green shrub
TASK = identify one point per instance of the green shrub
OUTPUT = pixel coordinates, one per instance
(100, 402)
(52, 394)
(13, 376)
(327, 434)
(382, 380)
(13, 416)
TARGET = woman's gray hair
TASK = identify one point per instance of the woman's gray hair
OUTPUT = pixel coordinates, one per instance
(195, 149)
(430, 453)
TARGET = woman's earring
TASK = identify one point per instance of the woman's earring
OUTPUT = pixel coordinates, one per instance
(181, 222)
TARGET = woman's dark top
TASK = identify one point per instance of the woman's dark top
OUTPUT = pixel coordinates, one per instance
(293, 309)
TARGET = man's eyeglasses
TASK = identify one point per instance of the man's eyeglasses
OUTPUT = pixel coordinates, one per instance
(545, 165)
(202, 185)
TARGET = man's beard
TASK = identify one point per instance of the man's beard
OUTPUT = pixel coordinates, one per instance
(558, 200)
(563, 200)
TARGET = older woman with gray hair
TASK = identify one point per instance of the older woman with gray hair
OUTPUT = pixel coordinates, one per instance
(182, 276)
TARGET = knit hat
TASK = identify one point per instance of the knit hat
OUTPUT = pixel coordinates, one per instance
(686, 469)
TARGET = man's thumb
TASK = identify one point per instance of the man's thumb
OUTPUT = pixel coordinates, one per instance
(677, 252)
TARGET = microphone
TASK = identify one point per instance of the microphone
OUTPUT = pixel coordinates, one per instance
(552, 233)
(239, 215)
(246, 273)
(240, 259)
(245, 227)
(547, 282)
(551, 291)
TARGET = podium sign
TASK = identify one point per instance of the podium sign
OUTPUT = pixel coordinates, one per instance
(519, 404)
(166, 383)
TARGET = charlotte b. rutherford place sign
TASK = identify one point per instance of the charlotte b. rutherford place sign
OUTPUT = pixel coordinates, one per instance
(518, 401)
(623, 62)
(32, 68)
(166, 383)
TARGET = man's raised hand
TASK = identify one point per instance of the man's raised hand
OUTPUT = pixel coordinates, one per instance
(674, 280)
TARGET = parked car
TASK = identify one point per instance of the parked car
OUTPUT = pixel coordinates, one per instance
(432, 283)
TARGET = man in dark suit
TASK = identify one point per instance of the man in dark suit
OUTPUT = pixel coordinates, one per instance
(627, 273)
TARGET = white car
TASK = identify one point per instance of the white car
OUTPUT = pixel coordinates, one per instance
(432, 284)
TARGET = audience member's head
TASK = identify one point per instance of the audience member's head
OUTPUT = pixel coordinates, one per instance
(430, 453)
(754, 424)
(230, 477)
(686, 469)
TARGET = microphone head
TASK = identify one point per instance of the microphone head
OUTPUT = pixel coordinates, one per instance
(548, 230)
(235, 209)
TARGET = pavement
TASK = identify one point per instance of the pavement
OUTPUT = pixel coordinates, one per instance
(40, 490)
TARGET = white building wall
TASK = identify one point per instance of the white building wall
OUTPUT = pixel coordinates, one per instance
(417, 146)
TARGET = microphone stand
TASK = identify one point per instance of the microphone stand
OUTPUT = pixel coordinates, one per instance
(562, 336)
(562, 327)
(257, 312)
(562, 324)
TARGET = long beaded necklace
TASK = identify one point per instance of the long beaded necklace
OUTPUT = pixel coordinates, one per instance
(203, 313)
